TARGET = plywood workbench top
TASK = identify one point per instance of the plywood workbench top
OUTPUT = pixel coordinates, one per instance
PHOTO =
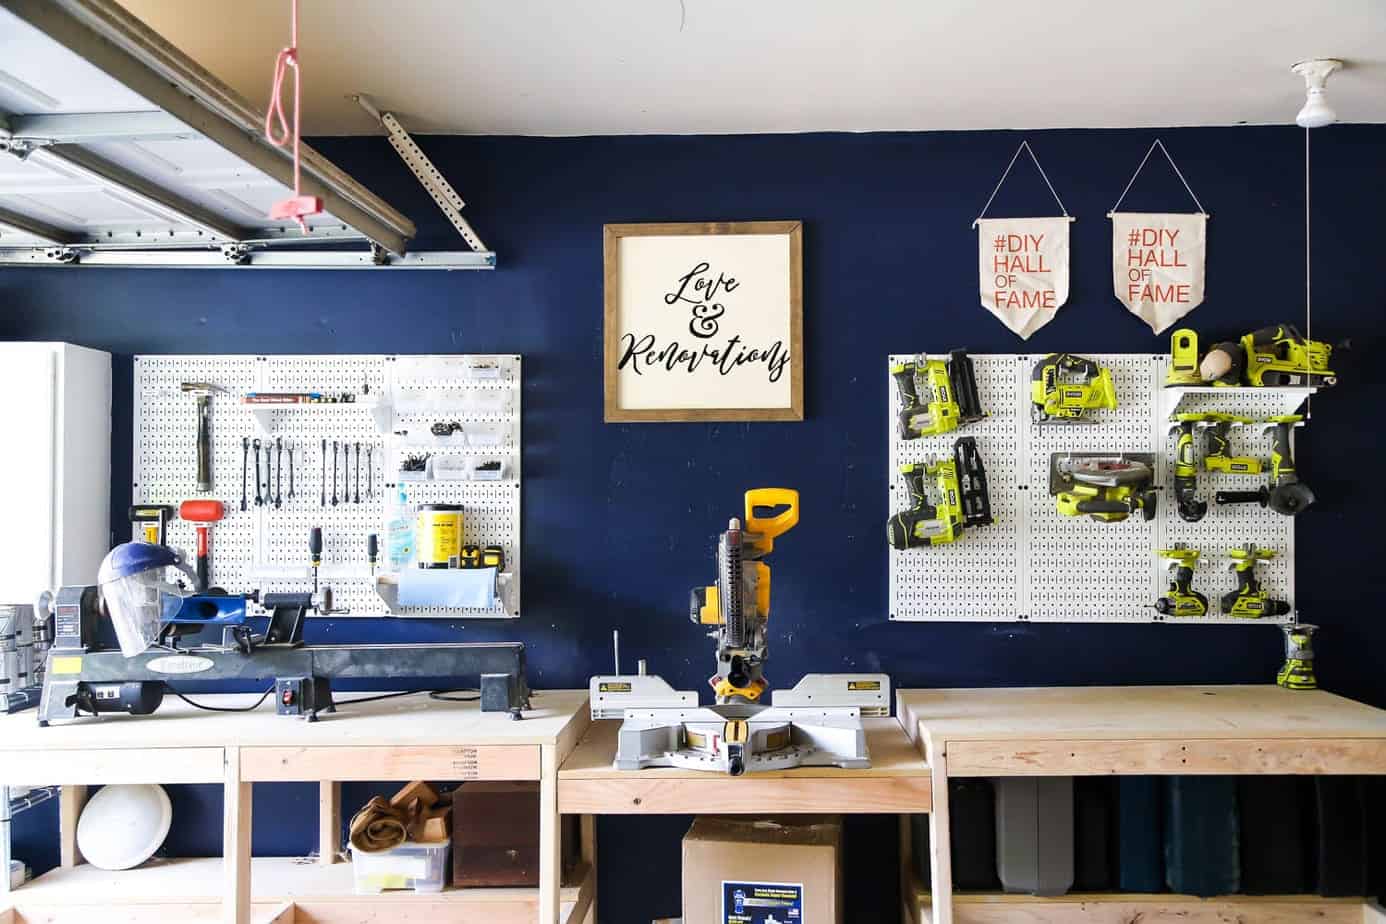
(414, 720)
(1059, 713)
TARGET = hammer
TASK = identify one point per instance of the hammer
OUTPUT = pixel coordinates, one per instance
(203, 513)
(203, 391)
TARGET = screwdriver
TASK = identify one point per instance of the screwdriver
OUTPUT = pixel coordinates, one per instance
(372, 551)
(315, 553)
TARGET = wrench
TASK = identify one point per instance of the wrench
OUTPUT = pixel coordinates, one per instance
(323, 482)
(357, 500)
(245, 464)
(290, 448)
(269, 497)
(278, 472)
(334, 473)
(370, 471)
(259, 498)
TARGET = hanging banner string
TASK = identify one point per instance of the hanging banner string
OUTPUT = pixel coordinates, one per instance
(1025, 146)
(1161, 145)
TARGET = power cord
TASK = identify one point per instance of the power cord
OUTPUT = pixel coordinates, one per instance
(442, 697)
(258, 703)
(439, 695)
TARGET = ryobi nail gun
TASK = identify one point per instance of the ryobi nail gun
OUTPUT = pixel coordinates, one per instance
(951, 387)
(964, 500)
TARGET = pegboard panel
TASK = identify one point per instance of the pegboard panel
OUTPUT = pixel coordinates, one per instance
(980, 575)
(398, 400)
(1033, 563)
(1229, 527)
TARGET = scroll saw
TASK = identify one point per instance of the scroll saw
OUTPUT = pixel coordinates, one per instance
(816, 723)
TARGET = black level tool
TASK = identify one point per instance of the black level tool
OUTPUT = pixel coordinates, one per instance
(278, 472)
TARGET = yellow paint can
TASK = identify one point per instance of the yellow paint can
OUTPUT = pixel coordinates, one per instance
(439, 535)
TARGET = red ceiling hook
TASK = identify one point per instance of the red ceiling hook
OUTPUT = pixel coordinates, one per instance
(298, 206)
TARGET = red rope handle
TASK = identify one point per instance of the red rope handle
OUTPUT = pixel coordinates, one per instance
(287, 58)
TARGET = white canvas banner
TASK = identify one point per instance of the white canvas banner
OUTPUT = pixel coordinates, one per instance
(1158, 264)
(1023, 265)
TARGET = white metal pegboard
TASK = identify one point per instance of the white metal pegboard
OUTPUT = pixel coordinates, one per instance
(265, 546)
(1034, 564)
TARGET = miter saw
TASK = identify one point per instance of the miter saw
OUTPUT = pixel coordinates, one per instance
(817, 723)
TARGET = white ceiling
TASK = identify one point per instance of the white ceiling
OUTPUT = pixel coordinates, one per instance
(583, 67)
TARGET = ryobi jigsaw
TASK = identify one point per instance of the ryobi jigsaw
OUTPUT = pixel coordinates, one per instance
(817, 723)
(1063, 387)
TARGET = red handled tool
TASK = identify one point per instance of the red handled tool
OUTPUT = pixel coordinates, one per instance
(203, 513)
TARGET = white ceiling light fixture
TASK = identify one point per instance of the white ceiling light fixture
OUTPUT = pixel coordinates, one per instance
(1316, 112)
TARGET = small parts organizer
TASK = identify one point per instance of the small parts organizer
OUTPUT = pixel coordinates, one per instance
(457, 417)
(1033, 564)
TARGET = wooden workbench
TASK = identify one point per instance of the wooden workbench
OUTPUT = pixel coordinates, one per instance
(1078, 731)
(588, 785)
(408, 738)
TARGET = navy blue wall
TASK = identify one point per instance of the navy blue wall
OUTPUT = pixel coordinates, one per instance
(618, 520)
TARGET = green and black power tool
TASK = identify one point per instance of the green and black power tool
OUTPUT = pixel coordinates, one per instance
(1250, 600)
(1298, 670)
(1190, 507)
(964, 500)
(1064, 387)
(1285, 494)
(1272, 356)
(1217, 455)
(1181, 599)
(1107, 489)
(951, 387)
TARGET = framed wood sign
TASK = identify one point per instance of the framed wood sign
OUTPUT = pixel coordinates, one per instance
(704, 321)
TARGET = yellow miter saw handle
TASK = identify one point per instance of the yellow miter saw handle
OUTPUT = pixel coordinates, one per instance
(765, 529)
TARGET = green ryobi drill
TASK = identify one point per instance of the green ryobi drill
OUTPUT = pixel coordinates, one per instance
(1285, 494)
(964, 500)
(1250, 600)
(1181, 599)
(1298, 670)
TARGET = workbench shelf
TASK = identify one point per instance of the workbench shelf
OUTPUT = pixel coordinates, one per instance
(1124, 908)
(1098, 731)
(400, 739)
(283, 890)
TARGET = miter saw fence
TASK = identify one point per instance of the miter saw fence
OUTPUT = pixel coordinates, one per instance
(817, 723)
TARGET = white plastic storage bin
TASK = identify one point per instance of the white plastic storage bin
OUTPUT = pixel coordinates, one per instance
(421, 867)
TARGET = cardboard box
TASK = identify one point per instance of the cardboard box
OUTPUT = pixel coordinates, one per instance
(495, 834)
(740, 870)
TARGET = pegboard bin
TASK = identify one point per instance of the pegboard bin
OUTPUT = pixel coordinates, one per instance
(265, 547)
(268, 415)
(1035, 565)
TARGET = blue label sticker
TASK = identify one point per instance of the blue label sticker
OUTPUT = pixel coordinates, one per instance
(762, 903)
